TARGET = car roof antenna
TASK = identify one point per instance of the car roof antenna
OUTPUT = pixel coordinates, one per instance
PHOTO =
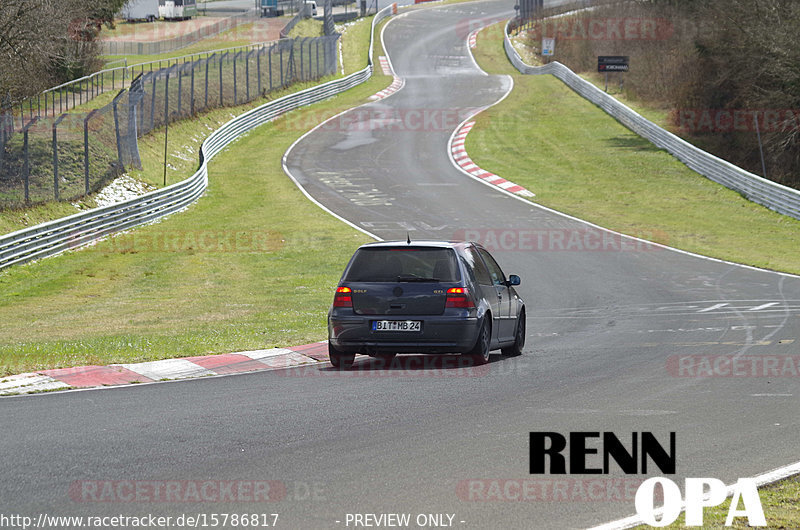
(408, 238)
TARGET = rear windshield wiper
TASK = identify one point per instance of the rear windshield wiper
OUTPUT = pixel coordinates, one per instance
(416, 279)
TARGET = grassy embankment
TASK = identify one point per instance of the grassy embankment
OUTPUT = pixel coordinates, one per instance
(183, 156)
(579, 160)
(251, 265)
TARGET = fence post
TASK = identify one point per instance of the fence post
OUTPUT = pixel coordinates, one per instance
(208, 60)
(220, 80)
(269, 59)
(26, 166)
(179, 69)
(135, 96)
(116, 126)
(235, 55)
(166, 98)
(6, 112)
(258, 68)
(302, 70)
(310, 42)
(192, 90)
(153, 103)
(55, 155)
(86, 151)
(247, 75)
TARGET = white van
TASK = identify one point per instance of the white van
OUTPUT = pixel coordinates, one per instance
(311, 7)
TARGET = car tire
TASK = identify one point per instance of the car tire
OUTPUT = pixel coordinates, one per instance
(342, 361)
(519, 338)
(479, 354)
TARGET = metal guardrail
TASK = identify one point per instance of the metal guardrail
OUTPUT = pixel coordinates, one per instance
(155, 47)
(54, 237)
(774, 196)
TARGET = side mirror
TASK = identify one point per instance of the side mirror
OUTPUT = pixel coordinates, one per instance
(514, 280)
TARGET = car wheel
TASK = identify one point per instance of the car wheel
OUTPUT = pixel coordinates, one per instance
(480, 353)
(519, 338)
(342, 361)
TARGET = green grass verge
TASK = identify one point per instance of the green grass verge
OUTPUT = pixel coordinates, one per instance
(251, 265)
(307, 27)
(579, 160)
(354, 54)
(778, 500)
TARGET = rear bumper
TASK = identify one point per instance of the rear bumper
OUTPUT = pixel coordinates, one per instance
(439, 334)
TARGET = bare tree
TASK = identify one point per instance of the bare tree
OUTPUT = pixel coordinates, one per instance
(46, 42)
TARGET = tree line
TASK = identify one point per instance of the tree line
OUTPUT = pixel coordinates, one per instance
(725, 70)
(44, 43)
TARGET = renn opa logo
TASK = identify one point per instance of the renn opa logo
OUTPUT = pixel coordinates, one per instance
(585, 457)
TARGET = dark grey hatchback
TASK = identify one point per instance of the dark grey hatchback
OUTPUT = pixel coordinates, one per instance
(429, 297)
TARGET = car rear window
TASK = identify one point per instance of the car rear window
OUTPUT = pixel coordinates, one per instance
(403, 264)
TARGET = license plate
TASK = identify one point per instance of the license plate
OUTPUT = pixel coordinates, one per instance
(396, 325)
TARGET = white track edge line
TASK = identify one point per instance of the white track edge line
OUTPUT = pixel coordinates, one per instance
(764, 479)
(288, 151)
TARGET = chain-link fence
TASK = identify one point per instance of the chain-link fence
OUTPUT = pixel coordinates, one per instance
(69, 155)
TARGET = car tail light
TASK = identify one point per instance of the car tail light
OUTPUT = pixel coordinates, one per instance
(459, 297)
(343, 297)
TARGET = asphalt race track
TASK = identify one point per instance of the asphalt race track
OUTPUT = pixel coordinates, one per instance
(605, 327)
